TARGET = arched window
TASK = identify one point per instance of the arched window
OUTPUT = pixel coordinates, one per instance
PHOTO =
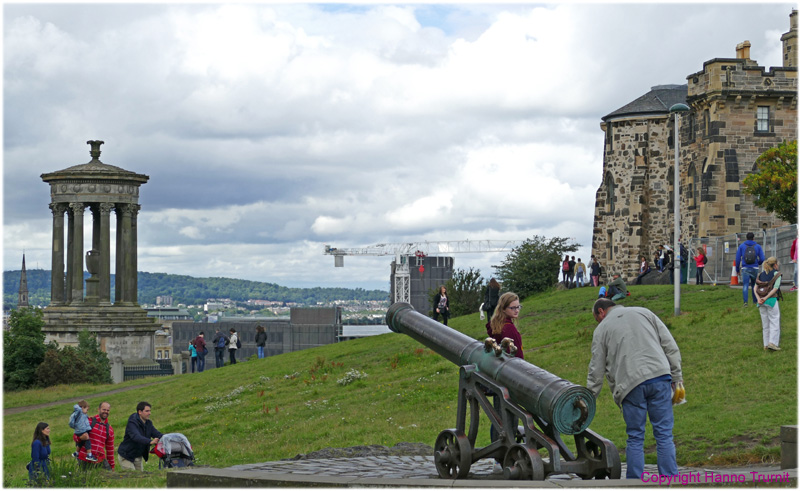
(610, 197)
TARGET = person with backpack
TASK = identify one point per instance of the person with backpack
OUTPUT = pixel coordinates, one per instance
(565, 270)
(79, 422)
(102, 440)
(220, 342)
(749, 257)
(200, 346)
(234, 345)
(768, 292)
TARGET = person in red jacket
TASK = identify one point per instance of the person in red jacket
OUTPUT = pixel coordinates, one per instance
(102, 437)
(200, 346)
(503, 322)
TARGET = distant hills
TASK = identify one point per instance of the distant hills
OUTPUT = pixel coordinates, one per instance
(189, 290)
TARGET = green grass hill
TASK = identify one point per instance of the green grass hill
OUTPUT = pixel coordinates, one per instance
(738, 396)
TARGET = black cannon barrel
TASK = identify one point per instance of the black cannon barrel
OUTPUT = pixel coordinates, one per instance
(567, 406)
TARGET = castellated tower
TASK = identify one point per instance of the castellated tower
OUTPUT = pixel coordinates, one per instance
(738, 111)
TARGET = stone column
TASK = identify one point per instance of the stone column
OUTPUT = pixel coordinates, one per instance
(104, 246)
(70, 253)
(124, 274)
(134, 256)
(57, 267)
(77, 252)
(119, 268)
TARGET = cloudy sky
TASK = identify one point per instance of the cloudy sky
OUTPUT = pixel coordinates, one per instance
(268, 130)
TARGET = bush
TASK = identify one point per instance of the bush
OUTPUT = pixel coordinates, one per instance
(464, 290)
(69, 365)
(534, 265)
(23, 348)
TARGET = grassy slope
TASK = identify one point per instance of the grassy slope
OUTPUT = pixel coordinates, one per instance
(738, 396)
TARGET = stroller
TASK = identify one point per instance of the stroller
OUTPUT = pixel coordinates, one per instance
(173, 450)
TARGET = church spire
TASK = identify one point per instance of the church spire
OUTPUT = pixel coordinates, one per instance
(23, 286)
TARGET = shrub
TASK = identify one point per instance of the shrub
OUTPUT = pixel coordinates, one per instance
(23, 348)
(533, 266)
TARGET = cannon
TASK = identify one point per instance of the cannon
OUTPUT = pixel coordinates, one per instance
(545, 405)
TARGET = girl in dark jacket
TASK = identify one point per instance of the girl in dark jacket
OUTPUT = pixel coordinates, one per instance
(491, 297)
(40, 453)
(261, 340)
(441, 305)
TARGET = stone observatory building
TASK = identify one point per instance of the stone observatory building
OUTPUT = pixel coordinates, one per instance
(122, 327)
(738, 110)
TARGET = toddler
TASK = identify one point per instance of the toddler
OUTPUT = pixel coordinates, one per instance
(80, 423)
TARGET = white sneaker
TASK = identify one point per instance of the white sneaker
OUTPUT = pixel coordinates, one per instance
(497, 468)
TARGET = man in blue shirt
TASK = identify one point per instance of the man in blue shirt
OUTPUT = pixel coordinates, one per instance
(749, 257)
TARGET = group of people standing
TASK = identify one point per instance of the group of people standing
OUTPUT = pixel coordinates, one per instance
(575, 273)
(97, 448)
(198, 348)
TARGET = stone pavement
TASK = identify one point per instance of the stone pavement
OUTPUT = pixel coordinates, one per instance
(417, 471)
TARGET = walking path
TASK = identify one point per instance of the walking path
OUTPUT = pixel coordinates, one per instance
(21, 409)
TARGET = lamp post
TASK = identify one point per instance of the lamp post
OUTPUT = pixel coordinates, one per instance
(677, 109)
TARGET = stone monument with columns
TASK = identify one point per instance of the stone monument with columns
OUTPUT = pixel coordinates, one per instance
(122, 328)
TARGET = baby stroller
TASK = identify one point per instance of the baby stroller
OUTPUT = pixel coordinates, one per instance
(173, 450)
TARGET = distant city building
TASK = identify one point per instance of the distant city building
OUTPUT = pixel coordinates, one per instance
(165, 300)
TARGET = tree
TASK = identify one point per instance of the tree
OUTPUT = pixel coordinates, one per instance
(465, 291)
(533, 266)
(23, 348)
(774, 183)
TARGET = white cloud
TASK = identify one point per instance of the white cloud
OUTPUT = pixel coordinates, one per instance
(270, 129)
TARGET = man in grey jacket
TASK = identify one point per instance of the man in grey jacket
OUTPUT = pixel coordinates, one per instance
(636, 353)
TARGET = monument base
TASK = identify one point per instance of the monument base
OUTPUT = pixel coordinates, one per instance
(122, 331)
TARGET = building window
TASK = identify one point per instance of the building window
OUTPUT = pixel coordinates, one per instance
(691, 119)
(158, 355)
(762, 119)
(610, 246)
(166, 354)
(610, 192)
(610, 137)
(692, 190)
(706, 123)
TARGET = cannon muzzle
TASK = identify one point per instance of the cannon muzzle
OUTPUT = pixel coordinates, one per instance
(568, 407)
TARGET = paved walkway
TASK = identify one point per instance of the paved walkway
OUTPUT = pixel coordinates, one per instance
(420, 471)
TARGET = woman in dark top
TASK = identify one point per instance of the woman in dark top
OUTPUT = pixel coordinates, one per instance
(491, 297)
(595, 270)
(40, 453)
(503, 322)
(261, 340)
(441, 305)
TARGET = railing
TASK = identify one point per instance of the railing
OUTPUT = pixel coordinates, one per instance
(136, 372)
(721, 252)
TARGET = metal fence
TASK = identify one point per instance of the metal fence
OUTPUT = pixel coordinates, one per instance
(160, 369)
(721, 252)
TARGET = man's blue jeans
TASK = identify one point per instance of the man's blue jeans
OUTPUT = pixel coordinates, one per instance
(655, 400)
(201, 362)
(261, 352)
(219, 357)
(748, 283)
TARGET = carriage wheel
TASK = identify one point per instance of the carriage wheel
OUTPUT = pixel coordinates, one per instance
(452, 454)
(522, 462)
(596, 453)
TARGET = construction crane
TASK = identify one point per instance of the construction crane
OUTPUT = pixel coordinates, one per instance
(402, 274)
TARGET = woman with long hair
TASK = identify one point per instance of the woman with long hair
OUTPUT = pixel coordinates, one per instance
(503, 322)
(40, 453)
(441, 305)
(768, 304)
